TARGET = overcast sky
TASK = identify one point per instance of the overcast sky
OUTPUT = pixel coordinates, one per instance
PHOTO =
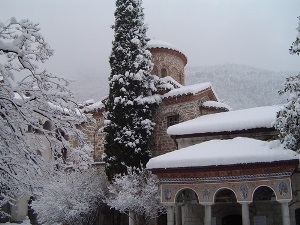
(250, 32)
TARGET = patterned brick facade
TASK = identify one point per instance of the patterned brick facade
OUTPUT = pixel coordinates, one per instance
(187, 107)
(168, 62)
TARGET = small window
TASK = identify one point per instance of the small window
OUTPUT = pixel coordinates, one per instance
(172, 120)
(163, 72)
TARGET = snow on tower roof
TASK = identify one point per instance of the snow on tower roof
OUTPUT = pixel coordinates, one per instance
(189, 89)
(259, 117)
(224, 152)
(215, 104)
(155, 43)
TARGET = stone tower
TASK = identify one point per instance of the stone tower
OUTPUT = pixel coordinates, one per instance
(167, 59)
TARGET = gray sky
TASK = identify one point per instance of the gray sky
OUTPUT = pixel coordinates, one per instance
(250, 32)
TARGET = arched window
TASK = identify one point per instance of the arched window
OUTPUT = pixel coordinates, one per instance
(225, 195)
(47, 125)
(164, 72)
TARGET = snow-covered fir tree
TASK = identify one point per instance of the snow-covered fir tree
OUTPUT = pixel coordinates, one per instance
(295, 48)
(132, 96)
(288, 118)
(137, 195)
(37, 113)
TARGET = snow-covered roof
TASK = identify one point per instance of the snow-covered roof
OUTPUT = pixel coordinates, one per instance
(155, 43)
(223, 152)
(244, 119)
(189, 89)
(90, 105)
(215, 104)
(94, 106)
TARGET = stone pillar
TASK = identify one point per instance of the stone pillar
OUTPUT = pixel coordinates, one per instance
(178, 215)
(170, 215)
(131, 218)
(245, 213)
(285, 213)
(207, 215)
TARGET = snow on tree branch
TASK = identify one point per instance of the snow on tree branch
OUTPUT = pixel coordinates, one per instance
(38, 115)
(295, 48)
(288, 118)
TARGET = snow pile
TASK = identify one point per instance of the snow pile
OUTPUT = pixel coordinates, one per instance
(214, 104)
(223, 152)
(155, 43)
(260, 117)
(190, 89)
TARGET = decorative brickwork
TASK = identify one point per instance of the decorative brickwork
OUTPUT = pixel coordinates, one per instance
(187, 107)
(168, 63)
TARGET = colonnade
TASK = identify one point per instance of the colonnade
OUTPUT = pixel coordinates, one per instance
(177, 218)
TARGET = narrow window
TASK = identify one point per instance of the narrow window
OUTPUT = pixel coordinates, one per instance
(172, 120)
(163, 72)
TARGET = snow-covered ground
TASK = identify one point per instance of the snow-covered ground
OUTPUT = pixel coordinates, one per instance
(25, 222)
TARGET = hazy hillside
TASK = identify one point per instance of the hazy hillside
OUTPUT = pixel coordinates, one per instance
(241, 86)
(237, 85)
(89, 87)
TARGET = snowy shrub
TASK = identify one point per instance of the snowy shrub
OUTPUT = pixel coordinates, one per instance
(71, 198)
(137, 192)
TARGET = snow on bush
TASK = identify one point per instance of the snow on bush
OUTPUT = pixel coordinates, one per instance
(136, 192)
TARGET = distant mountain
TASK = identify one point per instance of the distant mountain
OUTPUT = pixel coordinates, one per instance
(89, 87)
(236, 85)
(241, 86)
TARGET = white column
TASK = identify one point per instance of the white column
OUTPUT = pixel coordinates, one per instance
(170, 215)
(245, 213)
(207, 215)
(131, 218)
(178, 215)
(285, 213)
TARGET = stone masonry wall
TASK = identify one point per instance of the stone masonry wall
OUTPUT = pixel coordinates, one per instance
(170, 60)
(187, 107)
(95, 136)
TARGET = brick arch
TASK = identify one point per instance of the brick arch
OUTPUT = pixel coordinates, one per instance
(224, 188)
(259, 186)
(179, 191)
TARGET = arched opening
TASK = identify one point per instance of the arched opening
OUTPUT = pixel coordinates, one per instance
(264, 208)
(187, 195)
(226, 210)
(225, 196)
(163, 72)
(187, 208)
(47, 125)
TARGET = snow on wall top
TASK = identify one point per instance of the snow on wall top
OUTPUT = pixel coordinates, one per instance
(154, 43)
(190, 89)
(223, 152)
(214, 104)
(259, 117)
